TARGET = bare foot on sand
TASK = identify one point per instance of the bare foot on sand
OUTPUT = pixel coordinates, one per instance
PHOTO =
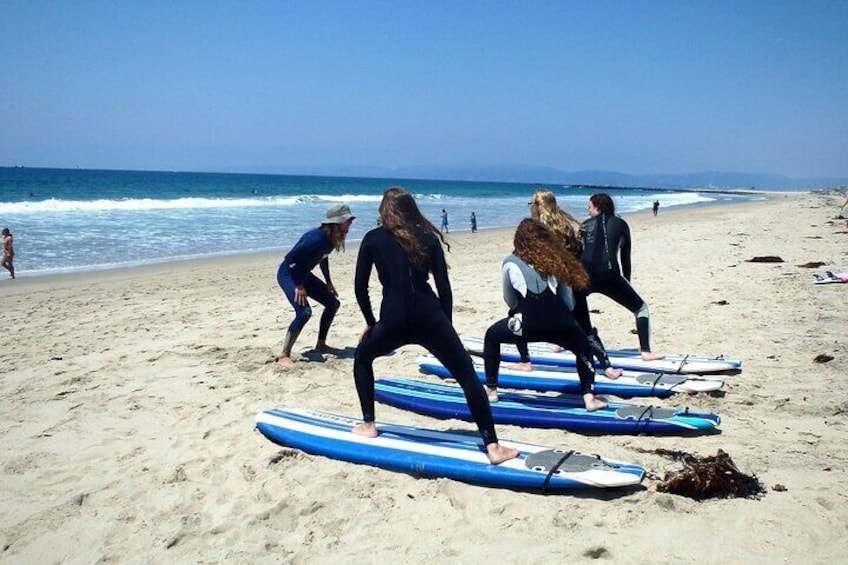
(613, 373)
(285, 362)
(367, 429)
(492, 393)
(522, 366)
(593, 403)
(498, 453)
(648, 356)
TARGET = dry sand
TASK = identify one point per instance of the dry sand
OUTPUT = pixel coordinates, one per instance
(128, 400)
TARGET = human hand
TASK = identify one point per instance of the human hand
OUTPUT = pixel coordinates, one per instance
(300, 295)
(332, 289)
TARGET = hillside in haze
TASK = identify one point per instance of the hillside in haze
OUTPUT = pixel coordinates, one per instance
(549, 175)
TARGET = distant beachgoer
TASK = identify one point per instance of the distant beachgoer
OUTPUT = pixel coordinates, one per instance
(406, 250)
(844, 212)
(444, 217)
(8, 252)
(473, 222)
(656, 207)
(298, 283)
(605, 236)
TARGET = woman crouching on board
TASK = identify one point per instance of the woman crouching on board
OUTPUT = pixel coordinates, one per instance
(298, 283)
(537, 282)
(406, 249)
(605, 235)
(543, 207)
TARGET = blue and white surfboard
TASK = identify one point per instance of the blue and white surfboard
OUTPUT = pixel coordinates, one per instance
(565, 379)
(565, 412)
(434, 454)
(541, 354)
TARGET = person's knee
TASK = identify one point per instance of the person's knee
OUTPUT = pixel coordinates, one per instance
(334, 305)
(303, 314)
(643, 311)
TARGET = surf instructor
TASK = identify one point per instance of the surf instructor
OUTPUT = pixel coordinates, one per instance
(406, 249)
(298, 283)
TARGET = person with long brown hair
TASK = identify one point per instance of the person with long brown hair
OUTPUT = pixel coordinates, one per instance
(538, 278)
(295, 277)
(406, 249)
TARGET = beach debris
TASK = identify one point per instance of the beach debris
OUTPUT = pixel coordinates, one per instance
(721, 302)
(708, 477)
(823, 358)
(779, 488)
(812, 265)
(766, 259)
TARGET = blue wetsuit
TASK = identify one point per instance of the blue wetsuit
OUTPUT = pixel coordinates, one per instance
(296, 270)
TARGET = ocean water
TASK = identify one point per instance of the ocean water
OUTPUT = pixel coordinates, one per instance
(72, 220)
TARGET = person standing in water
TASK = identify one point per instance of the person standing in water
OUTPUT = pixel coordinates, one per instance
(605, 238)
(445, 223)
(8, 252)
(655, 207)
(298, 283)
(473, 222)
(406, 249)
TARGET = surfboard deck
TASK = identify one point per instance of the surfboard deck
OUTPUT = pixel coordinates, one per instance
(565, 379)
(629, 359)
(565, 412)
(436, 454)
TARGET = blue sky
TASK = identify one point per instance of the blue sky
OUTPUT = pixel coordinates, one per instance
(637, 87)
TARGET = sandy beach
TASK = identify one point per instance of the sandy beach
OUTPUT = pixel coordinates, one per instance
(128, 400)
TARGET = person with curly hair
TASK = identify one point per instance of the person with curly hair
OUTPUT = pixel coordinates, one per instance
(538, 278)
(543, 207)
(406, 249)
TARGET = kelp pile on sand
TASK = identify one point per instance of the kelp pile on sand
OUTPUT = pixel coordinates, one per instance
(708, 477)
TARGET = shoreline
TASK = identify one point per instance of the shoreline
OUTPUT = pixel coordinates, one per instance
(48, 280)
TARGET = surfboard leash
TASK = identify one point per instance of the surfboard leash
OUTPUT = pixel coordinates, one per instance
(554, 469)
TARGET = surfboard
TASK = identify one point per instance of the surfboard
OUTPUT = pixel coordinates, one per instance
(830, 278)
(566, 412)
(437, 454)
(565, 379)
(621, 359)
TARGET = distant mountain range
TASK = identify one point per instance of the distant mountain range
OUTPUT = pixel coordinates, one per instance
(549, 175)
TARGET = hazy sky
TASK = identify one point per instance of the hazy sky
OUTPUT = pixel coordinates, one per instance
(637, 87)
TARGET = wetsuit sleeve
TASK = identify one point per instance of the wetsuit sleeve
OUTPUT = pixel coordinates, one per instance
(566, 294)
(513, 284)
(364, 263)
(625, 250)
(440, 277)
(325, 269)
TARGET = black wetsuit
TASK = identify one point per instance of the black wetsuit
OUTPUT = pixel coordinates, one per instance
(411, 312)
(605, 237)
(544, 317)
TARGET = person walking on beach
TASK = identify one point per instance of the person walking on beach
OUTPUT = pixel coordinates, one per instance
(445, 223)
(605, 237)
(473, 222)
(655, 207)
(537, 284)
(8, 252)
(406, 249)
(298, 283)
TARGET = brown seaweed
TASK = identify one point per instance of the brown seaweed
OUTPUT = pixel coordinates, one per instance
(709, 477)
(766, 259)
